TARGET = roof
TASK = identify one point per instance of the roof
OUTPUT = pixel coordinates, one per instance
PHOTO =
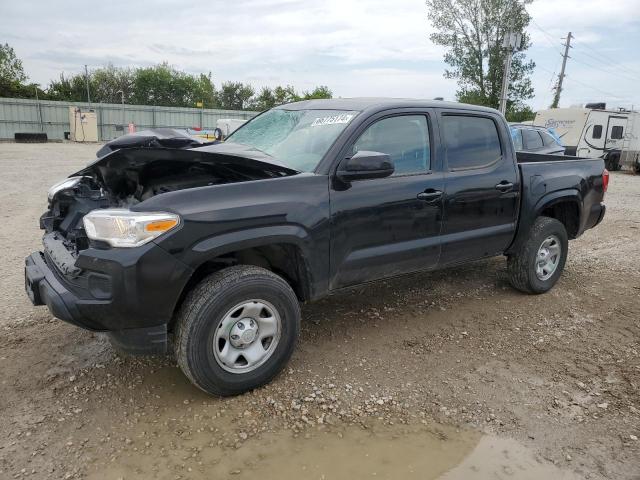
(362, 104)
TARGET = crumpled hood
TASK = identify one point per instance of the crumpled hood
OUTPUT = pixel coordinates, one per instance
(152, 138)
(126, 171)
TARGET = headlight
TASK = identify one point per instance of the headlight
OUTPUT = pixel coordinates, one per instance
(124, 228)
(63, 185)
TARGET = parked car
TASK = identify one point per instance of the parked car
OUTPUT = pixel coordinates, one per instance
(218, 245)
(528, 138)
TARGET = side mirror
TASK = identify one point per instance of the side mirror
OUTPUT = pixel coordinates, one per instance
(365, 165)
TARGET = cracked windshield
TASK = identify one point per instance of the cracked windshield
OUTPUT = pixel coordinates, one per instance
(297, 138)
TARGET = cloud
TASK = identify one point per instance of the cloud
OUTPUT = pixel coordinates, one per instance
(356, 47)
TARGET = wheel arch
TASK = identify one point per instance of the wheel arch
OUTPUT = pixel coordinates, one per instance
(565, 206)
(283, 250)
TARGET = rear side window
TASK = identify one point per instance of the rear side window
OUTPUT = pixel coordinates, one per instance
(616, 132)
(516, 134)
(404, 138)
(472, 142)
(597, 131)
(532, 139)
(549, 141)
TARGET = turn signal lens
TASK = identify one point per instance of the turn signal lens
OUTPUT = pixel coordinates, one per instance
(124, 228)
(161, 225)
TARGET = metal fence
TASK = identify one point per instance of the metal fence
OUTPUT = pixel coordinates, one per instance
(52, 118)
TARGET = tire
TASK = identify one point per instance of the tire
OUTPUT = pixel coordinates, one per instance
(208, 318)
(522, 265)
(613, 162)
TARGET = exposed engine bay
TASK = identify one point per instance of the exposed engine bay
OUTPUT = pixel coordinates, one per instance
(126, 177)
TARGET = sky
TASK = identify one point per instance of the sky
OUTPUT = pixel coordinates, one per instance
(355, 47)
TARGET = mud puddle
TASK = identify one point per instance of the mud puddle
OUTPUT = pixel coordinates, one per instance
(353, 452)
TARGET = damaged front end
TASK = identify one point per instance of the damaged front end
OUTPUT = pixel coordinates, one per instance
(89, 274)
(128, 177)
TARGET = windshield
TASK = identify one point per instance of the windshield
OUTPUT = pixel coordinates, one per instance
(296, 138)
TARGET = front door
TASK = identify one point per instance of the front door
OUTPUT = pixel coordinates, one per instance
(388, 226)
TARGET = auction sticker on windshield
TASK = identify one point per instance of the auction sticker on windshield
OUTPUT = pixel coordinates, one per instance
(332, 120)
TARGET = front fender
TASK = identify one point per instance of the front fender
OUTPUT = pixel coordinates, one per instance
(251, 238)
(313, 260)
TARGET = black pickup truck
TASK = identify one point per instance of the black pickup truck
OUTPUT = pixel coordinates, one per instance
(216, 246)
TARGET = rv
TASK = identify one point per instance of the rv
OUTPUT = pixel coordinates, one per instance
(613, 135)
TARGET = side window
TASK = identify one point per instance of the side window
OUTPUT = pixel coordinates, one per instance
(616, 132)
(597, 131)
(516, 134)
(532, 139)
(548, 139)
(404, 138)
(472, 142)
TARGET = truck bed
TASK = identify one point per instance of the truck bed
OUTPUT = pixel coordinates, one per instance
(562, 176)
(527, 157)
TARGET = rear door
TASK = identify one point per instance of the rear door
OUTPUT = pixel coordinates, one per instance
(481, 186)
(388, 226)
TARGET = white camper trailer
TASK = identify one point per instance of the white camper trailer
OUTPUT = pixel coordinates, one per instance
(613, 135)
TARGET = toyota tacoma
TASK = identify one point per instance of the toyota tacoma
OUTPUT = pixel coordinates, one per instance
(211, 249)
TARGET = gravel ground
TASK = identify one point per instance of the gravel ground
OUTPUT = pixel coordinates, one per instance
(457, 353)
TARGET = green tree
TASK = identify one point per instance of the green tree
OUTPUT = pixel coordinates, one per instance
(473, 32)
(268, 98)
(106, 84)
(71, 89)
(13, 79)
(286, 94)
(204, 90)
(163, 85)
(319, 92)
(235, 96)
(264, 100)
(521, 114)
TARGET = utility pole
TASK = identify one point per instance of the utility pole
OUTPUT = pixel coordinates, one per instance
(511, 43)
(567, 46)
(86, 78)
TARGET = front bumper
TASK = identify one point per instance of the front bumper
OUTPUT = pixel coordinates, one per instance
(44, 288)
(129, 293)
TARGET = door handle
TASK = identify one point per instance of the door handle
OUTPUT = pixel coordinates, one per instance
(504, 186)
(430, 196)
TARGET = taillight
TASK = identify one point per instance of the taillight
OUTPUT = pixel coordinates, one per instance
(605, 180)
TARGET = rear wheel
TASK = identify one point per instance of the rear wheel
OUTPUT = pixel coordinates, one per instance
(612, 163)
(236, 330)
(539, 262)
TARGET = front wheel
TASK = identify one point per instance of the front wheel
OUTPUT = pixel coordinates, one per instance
(537, 265)
(236, 330)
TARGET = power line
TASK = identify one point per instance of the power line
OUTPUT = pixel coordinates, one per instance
(596, 89)
(607, 59)
(601, 70)
(548, 36)
(568, 77)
